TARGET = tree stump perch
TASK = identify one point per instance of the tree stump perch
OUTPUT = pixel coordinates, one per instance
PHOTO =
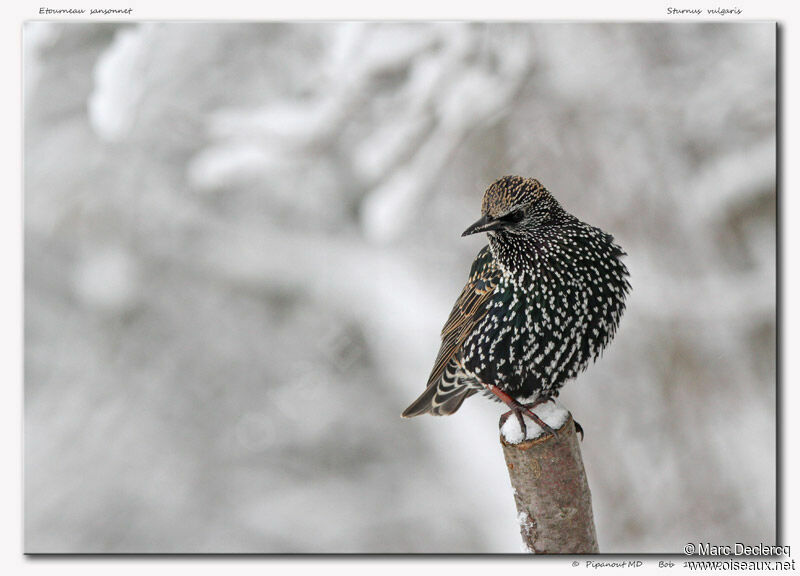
(554, 504)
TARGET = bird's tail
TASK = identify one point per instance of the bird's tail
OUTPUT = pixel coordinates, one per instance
(439, 401)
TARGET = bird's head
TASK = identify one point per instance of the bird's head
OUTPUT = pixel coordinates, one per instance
(514, 205)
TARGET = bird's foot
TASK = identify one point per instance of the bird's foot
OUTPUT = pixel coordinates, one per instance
(528, 409)
(578, 429)
(521, 409)
(542, 424)
(518, 409)
(520, 418)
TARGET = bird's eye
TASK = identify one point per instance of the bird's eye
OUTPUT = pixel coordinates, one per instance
(514, 217)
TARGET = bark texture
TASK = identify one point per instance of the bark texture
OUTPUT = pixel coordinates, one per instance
(554, 504)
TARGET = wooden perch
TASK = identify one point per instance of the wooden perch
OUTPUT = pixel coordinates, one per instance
(554, 505)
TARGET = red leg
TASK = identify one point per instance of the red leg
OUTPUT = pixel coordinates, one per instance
(517, 409)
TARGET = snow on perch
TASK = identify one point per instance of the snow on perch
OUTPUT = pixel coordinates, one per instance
(553, 414)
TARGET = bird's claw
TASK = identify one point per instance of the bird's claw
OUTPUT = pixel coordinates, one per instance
(518, 412)
(578, 429)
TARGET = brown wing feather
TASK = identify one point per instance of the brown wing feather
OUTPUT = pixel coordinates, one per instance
(469, 309)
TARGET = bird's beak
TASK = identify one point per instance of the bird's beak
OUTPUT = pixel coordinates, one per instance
(485, 224)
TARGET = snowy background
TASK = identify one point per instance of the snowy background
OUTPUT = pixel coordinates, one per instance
(242, 240)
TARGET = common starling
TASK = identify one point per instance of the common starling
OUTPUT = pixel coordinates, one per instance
(543, 298)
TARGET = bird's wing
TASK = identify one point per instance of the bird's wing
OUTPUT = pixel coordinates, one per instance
(469, 309)
(444, 393)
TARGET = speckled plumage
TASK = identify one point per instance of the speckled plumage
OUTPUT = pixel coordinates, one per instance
(543, 299)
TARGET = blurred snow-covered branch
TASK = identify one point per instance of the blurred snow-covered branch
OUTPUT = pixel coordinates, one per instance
(223, 220)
